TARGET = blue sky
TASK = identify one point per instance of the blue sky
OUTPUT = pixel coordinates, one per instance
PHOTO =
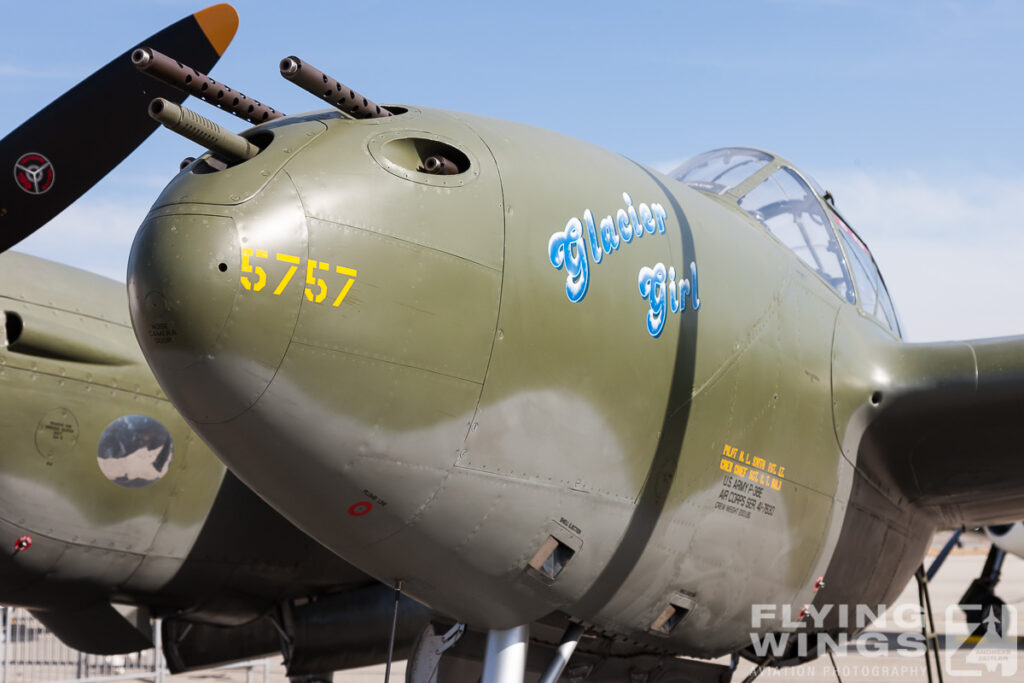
(910, 112)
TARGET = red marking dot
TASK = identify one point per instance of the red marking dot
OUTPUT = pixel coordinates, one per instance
(361, 508)
(23, 543)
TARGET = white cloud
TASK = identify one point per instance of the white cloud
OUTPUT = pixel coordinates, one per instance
(950, 249)
(666, 166)
(8, 70)
(95, 235)
(913, 202)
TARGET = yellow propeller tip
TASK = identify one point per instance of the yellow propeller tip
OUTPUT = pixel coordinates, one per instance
(219, 24)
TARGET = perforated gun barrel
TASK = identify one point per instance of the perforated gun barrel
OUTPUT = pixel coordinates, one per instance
(198, 84)
(339, 96)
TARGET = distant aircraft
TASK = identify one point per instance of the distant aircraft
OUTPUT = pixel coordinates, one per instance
(980, 596)
(1009, 537)
(538, 382)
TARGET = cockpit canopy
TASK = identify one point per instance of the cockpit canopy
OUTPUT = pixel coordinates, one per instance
(720, 170)
(794, 210)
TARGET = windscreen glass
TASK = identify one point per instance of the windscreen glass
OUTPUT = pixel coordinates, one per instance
(719, 171)
(787, 206)
(874, 298)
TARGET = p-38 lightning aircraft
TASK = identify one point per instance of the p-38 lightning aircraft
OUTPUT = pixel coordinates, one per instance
(537, 382)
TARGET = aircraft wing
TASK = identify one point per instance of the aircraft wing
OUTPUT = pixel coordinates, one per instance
(948, 433)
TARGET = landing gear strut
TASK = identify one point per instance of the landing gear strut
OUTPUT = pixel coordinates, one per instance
(980, 599)
(562, 655)
(505, 657)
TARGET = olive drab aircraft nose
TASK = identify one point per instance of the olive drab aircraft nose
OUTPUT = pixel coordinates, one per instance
(199, 292)
(271, 285)
(236, 266)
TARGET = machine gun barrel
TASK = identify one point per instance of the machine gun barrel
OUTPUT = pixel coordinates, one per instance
(198, 129)
(343, 98)
(187, 79)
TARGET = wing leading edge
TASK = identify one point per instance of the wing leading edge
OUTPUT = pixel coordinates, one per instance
(943, 426)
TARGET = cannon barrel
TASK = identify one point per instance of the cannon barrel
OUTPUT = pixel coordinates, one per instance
(187, 79)
(439, 165)
(198, 129)
(343, 98)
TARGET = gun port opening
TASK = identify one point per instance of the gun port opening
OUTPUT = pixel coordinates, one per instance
(431, 157)
(11, 326)
(260, 138)
(551, 558)
(213, 163)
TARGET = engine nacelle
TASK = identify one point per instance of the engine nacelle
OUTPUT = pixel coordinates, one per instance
(1009, 537)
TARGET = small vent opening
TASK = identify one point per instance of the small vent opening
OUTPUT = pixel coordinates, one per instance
(669, 619)
(678, 607)
(551, 558)
(12, 327)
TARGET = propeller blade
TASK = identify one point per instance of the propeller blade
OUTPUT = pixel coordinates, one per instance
(53, 158)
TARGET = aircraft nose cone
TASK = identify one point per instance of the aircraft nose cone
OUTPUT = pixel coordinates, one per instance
(181, 287)
(204, 288)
